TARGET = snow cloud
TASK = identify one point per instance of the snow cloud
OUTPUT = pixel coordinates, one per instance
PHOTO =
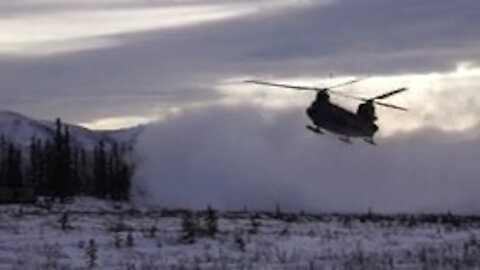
(245, 156)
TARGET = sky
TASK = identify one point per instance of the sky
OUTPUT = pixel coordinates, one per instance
(116, 63)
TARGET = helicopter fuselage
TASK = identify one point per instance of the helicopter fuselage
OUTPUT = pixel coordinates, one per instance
(336, 119)
(340, 121)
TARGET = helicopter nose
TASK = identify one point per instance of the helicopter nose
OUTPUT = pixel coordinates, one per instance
(309, 111)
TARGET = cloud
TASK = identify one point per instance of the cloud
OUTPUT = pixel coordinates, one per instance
(70, 26)
(116, 122)
(236, 156)
(148, 71)
(55, 32)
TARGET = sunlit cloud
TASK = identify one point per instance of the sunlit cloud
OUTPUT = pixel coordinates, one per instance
(30, 33)
(47, 48)
(63, 30)
(117, 122)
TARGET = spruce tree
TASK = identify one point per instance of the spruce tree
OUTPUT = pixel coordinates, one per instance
(91, 254)
(211, 222)
(100, 170)
(189, 227)
(254, 223)
(61, 162)
(56, 169)
(3, 162)
(85, 177)
(14, 167)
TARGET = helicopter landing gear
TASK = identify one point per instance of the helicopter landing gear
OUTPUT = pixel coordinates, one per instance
(370, 141)
(315, 129)
(345, 140)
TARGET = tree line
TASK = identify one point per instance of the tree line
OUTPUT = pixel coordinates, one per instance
(57, 169)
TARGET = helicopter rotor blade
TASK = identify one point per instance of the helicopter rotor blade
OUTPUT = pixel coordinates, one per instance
(306, 88)
(390, 93)
(347, 83)
(388, 105)
(296, 87)
(340, 94)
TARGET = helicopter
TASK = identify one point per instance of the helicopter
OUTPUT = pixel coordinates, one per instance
(331, 117)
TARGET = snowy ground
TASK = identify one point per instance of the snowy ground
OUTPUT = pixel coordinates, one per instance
(32, 237)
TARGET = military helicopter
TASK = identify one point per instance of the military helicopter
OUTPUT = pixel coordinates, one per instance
(338, 120)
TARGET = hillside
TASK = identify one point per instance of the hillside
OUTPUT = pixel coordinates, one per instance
(20, 129)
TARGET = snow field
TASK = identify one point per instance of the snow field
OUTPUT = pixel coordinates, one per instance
(32, 237)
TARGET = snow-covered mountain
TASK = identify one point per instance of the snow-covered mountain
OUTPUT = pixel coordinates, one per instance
(20, 129)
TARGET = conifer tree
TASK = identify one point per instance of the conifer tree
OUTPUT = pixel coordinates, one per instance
(56, 169)
(100, 170)
(189, 227)
(14, 167)
(91, 254)
(61, 163)
(211, 222)
(3, 161)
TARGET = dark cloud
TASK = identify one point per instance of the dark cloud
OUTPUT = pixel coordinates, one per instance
(233, 157)
(359, 37)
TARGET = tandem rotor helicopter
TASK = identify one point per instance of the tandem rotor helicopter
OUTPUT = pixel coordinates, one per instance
(338, 120)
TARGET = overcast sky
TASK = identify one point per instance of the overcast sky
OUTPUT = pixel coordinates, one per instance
(124, 61)
(116, 63)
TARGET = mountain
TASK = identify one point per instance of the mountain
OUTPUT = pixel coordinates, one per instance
(21, 129)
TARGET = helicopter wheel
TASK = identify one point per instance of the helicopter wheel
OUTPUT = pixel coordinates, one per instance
(315, 129)
(370, 141)
(345, 140)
